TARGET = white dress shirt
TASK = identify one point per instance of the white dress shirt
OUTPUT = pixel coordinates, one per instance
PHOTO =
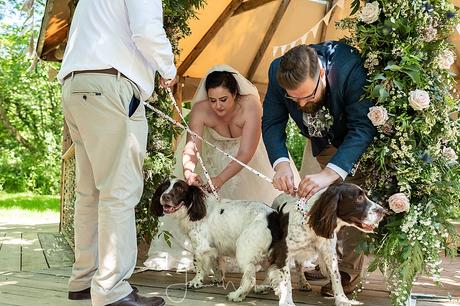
(127, 35)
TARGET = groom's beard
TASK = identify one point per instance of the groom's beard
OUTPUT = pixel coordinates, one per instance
(312, 107)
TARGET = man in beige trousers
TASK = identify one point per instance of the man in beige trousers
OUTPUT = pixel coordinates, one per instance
(113, 51)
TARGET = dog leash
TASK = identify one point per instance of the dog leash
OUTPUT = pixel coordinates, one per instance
(301, 203)
(168, 118)
(198, 155)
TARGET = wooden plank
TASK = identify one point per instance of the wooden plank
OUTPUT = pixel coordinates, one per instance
(10, 253)
(176, 281)
(32, 253)
(56, 249)
(23, 288)
(268, 37)
(2, 235)
(250, 5)
(210, 34)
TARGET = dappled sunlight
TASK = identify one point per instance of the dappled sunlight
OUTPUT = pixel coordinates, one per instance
(6, 283)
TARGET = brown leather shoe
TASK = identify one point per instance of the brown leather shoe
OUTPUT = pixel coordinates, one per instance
(85, 294)
(349, 285)
(314, 275)
(134, 299)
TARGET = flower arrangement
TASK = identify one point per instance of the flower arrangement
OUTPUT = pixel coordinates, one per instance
(412, 165)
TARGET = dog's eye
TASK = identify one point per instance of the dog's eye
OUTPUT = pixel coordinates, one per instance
(179, 189)
(361, 198)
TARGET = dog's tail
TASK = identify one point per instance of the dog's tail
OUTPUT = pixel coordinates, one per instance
(278, 223)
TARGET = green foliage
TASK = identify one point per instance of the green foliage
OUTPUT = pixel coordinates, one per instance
(28, 201)
(160, 158)
(30, 118)
(295, 143)
(415, 153)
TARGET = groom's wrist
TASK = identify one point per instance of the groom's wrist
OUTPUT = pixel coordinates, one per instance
(279, 161)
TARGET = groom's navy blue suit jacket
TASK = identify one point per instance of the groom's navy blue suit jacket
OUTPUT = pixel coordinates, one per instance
(351, 132)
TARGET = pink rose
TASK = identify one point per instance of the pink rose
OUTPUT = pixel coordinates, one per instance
(446, 59)
(399, 203)
(419, 99)
(450, 154)
(378, 115)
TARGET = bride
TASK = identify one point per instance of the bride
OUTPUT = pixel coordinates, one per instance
(226, 111)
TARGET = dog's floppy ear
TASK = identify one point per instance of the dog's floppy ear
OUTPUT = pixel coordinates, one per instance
(323, 215)
(197, 207)
(155, 206)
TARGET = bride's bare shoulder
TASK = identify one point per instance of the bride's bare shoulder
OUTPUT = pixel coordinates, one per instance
(251, 102)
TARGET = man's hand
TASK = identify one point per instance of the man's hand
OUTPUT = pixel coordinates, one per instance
(167, 83)
(284, 178)
(311, 184)
(193, 179)
(217, 182)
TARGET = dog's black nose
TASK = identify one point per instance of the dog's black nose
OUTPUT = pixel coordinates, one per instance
(166, 197)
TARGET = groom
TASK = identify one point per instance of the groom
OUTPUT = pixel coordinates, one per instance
(320, 86)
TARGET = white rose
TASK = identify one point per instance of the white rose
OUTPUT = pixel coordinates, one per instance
(399, 203)
(419, 99)
(450, 154)
(445, 59)
(378, 115)
(370, 12)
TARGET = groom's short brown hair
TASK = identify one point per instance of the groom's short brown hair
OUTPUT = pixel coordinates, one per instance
(296, 65)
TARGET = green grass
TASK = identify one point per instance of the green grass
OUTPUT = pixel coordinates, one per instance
(29, 201)
(28, 208)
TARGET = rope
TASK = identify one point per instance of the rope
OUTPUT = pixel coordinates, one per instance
(168, 118)
(198, 155)
(301, 202)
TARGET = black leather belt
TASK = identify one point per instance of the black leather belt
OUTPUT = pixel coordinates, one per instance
(112, 71)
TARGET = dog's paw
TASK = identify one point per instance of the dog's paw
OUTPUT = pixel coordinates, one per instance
(262, 289)
(195, 283)
(217, 281)
(235, 297)
(342, 301)
(287, 304)
(304, 287)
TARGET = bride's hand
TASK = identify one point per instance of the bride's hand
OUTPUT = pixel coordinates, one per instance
(193, 179)
(216, 181)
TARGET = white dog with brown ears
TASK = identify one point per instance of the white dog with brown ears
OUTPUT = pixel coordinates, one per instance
(244, 230)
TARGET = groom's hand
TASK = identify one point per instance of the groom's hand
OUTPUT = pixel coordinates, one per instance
(284, 178)
(311, 184)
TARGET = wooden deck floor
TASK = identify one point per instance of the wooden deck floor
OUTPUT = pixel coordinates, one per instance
(35, 265)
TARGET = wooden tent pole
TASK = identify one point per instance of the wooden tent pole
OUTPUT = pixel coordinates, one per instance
(268, 37)
(250, 5)
(210, 34)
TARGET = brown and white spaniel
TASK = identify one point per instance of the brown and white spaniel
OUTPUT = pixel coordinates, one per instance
(338, 205)
(240, 229)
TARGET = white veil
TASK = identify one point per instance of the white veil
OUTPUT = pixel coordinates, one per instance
(244, 86)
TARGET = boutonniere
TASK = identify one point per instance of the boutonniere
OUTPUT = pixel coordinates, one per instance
(318, 123)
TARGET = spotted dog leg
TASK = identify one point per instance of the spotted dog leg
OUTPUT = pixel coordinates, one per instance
(263, 288)
(280, 280)
(198, 263)
(331, 262)
(219, 269)
(247, 283)
(304, 285)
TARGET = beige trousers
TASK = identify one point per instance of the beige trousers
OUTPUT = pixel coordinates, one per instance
(348, 238)
(109, 150)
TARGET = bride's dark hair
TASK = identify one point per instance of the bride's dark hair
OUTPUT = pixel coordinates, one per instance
(224, 79)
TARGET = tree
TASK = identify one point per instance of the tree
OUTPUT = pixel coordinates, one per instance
(30, 111)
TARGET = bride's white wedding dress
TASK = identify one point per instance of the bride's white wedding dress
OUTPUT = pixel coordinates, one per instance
(245, 186)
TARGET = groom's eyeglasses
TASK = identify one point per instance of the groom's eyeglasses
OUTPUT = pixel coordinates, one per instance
(308, 98)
